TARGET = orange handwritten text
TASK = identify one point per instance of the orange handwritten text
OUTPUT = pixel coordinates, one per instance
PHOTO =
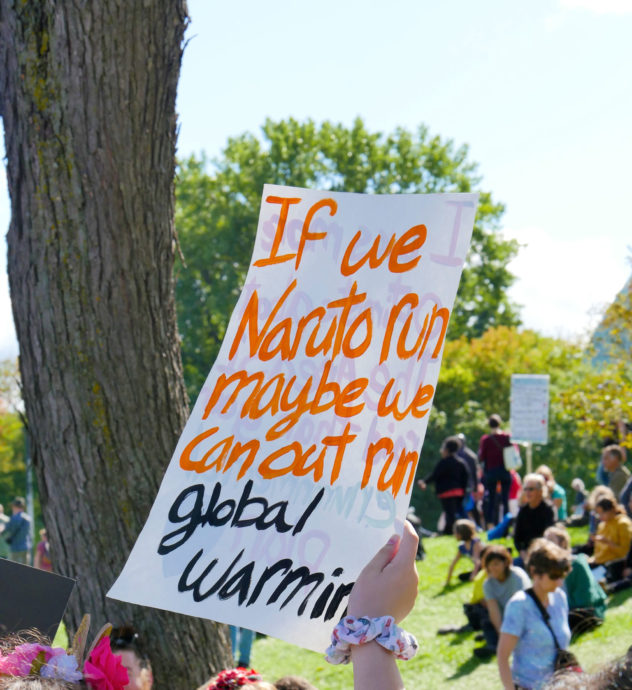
(407, 461)
(423, 397)
(286, 202)
(285, 337)
(411, 301)
(409, 242)
(221, 455)
(278, 396)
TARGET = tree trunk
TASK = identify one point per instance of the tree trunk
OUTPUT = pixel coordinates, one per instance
(87, 96)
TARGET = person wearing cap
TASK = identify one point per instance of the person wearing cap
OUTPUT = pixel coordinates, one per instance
(17, 533)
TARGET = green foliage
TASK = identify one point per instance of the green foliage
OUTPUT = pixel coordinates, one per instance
(442, 661)
(475, 381)
(602, 403)
(12, 468)
(217, 208)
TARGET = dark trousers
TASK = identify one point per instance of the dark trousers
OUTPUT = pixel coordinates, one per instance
(620, 585)
(490, 480)
(451, 507)
(582, 620)
(475, 614)
(490, 633)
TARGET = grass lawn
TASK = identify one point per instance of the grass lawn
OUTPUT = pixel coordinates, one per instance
(443, 661)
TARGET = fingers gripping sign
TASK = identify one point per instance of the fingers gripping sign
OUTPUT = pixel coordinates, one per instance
(387, 586)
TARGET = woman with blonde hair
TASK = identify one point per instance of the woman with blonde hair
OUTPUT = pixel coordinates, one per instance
(535, 515)
(557, 493)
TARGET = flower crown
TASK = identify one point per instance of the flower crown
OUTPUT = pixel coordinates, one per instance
(101, 669)
(234, 678)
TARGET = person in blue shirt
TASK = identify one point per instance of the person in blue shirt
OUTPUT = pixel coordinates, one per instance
(524, 632)
(17, 533)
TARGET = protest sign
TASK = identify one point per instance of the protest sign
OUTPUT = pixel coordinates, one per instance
(529, 408)
(299, 457)
(32, 598)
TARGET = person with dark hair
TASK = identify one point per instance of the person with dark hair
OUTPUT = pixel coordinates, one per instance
(469, 457)
(624, 578)
(17, 532)
(614, 533)
(535, 622)
(613, 675)
(534, 516)
(503, 581)
(450, 478)
(490, 453)
(124, 642)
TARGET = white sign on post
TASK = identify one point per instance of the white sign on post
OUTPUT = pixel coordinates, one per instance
(299, 457)
(530, 408)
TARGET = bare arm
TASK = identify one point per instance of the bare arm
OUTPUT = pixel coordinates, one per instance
(455, 560)
(374, 668)
(494, 613)
(506, 645)
(386, 587)
(477, 559)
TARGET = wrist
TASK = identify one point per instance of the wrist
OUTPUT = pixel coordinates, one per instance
(352, 633)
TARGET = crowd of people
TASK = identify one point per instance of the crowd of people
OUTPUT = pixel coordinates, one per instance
(526, 606)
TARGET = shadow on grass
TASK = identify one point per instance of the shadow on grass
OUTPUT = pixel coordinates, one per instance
(460, 637)
(619, 598)
(447, 589)
(470, 665)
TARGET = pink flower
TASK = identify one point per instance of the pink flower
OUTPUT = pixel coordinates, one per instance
(104, 670)
(19, 662)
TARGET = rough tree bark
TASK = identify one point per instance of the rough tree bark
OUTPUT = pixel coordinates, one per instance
(87, 97)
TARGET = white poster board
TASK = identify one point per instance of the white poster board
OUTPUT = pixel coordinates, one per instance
(530, 408)
(299, 457)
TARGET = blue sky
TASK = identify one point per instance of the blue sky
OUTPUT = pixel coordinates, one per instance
(540, 91)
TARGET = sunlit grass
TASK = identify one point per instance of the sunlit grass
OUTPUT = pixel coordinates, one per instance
(443, 661)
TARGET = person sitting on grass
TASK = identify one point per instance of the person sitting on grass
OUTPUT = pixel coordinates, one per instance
(534, 516)
(475, 610)
(586, 599)
(503, 581)
(555, 491)
(469, 546)
(623, 579)
(614, 535)
(613, 459)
